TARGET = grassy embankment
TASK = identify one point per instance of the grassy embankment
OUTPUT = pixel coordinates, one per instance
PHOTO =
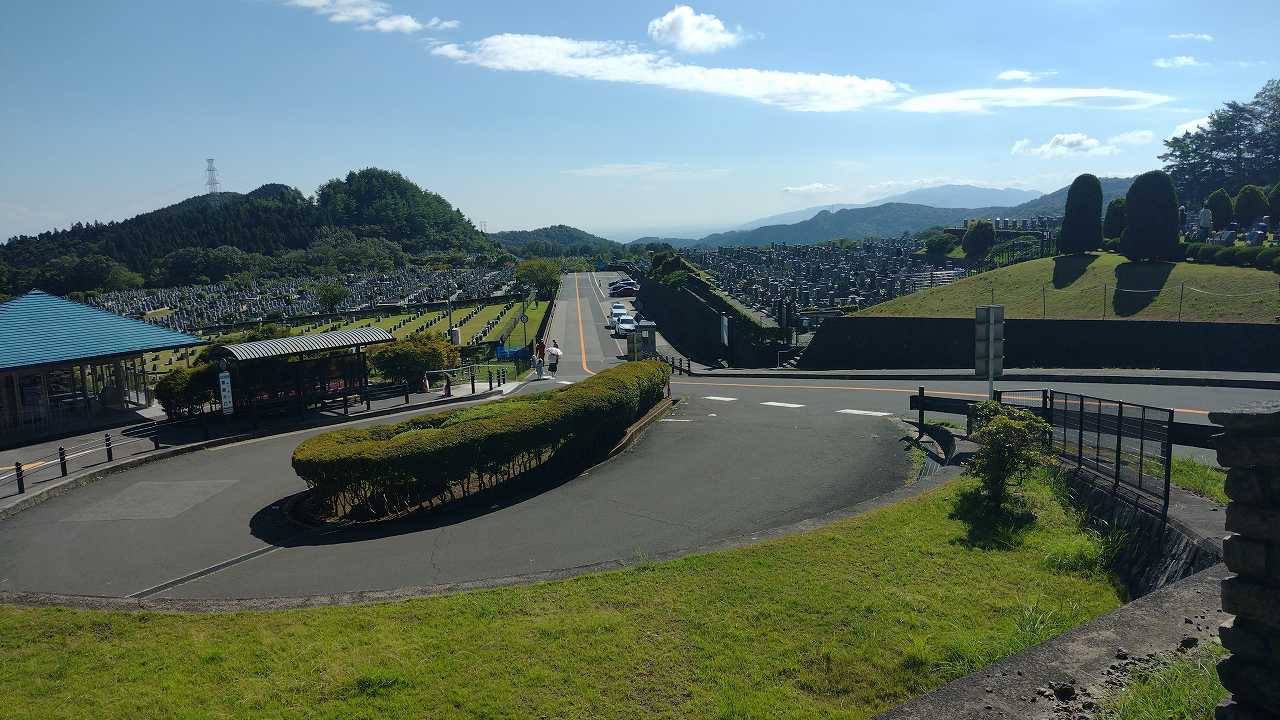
(1185, 688)
(1073, 287)
(1207, 481)
(844, 621)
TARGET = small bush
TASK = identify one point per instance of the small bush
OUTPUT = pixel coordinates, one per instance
(978, 240)
(1244, 256)
(1193, 250)
(182, 391)
(1266, 258)
(1012, 443)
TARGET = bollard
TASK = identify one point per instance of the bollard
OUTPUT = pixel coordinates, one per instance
(155, 439)
(62, 459)
(490, 374)
(473, 381)
(110, 457)
(17, 472)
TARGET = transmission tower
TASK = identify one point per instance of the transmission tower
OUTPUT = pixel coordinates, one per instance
(211, 177)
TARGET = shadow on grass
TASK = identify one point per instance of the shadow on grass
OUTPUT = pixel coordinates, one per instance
(1142, 277)
(990, 527)
(1069, 268)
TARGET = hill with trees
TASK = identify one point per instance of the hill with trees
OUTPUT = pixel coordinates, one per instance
(370, 219)
(558, 241)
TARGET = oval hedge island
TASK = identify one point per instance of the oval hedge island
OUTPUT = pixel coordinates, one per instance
(430, 460)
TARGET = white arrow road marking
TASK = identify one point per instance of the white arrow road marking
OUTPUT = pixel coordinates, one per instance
(781, 404)
(871, 413)
(717, 397)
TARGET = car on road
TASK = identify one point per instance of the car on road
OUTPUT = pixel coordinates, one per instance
(621, 281)
(626, 325)
(625, 291)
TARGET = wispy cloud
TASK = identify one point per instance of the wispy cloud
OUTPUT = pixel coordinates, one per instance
(1178, 61)
(984, 99)
(647, 171)
(372, 15)
(693, 32)
(626, 63)
(814, 188)
(1063, 145)
(1025, 75)
(1133, 137)
(1190, 126)
(1249, 63)
(1206, 37)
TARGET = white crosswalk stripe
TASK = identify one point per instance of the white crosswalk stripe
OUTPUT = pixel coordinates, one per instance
(782, 404)
(871, 413)
(717, 397)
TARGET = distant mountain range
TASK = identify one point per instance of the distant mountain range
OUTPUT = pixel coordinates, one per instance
(941, 196)
(891, 219)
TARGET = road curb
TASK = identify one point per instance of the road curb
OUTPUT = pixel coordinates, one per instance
(636, 428)
(1179, 380)
(36, 496)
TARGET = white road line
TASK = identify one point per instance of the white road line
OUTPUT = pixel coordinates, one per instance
(717, 397)
(782, 404)
(673, 420)
(871, 413)
(565, 382)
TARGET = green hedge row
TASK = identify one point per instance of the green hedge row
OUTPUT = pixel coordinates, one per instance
(1262, 257)
(433, 459)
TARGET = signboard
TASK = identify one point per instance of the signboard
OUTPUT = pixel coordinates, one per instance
(724, 330)
(988, 349)
(524, 318)
(224, 385)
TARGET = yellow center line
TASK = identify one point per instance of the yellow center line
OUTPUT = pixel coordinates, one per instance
(872, 389)
(582, 338)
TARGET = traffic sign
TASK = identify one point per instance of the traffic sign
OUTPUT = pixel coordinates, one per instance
(524, 318)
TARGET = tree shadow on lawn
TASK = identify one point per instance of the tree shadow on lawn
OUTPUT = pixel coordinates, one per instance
(1141, 276)
(1070, 268)
(273, 524)
(989, 527)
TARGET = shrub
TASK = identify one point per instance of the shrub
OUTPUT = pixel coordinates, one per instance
(1012, 442)
(1251, 205)
(1151, 208)
(406, 361)
(1244, 256)
(1193, 250)
(1266, 258)
(1113, 224)
(1222, 207)
(978, 240)
(433, 459)
(1082, 222)
(182, 390)
(1273, 207)
(939, 244)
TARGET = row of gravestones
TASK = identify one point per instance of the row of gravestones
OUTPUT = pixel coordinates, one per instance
(479, 337)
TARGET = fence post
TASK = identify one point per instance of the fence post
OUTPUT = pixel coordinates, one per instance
(17, 473)
(490, 373)
(62, 459)
(1167, 451)
(473, 381)
(1104, 301)
(1080, 435)
(110, 457)
(920, 394)
(1119, 445)
(1142, 443)
(1181, 293)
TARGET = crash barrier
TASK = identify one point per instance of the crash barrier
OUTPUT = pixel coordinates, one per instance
(1125, 445)
(434, 459)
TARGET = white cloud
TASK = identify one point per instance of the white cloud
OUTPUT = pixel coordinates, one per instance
(1206, 37)
(647, 171)
(1249, 63)
(982, 100)
(692, 32)
(623, 62)
(1133, 137)
(1062, 145)
(1025, 75)
(1178, 61)
(815, 188)
(373, 15)
(1190, 126)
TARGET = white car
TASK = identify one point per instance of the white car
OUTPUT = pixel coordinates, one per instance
(626, 325)
(614, 314)
(617, 306)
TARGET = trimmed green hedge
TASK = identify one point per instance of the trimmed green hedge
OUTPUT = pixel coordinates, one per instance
(433, 459)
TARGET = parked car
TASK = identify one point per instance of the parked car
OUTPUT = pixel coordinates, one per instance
(614, 314)
(626, 325)
(617, 306)
(624, 291)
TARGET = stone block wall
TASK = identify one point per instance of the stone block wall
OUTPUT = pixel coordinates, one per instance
(1250, 449)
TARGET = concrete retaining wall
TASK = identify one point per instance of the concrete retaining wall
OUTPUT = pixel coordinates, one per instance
(870, 343)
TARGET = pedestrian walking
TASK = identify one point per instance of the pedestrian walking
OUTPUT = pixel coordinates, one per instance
(554, 352)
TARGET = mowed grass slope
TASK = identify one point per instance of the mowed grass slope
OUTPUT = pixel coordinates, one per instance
(843, 622)
(1085, 287)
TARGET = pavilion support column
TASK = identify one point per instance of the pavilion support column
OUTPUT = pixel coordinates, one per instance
(1250, 448)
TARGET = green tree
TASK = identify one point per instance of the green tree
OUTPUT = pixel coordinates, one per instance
(330, 296)
(1151, 208)
(541, 275)
(406, 361)
(978, 240)
(182, 390)
(1113, 224)
(1082, 223)
(1011, 443)
(1251, 205)
(939, 244)
(1222, 207)
(1273, 207)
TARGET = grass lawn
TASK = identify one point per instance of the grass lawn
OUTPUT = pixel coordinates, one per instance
(1186, 688)
(1073, 287)
(535, 311)
(1204, 480)
(475, 324)
(844, 621)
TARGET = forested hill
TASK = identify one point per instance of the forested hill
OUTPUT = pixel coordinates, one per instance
(557, 241)
(369, 205)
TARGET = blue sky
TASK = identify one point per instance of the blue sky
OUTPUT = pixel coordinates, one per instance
(616, 117)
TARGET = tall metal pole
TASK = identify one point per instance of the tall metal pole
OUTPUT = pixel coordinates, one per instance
(1181, 293)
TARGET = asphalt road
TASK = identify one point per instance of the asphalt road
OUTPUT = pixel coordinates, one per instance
(738, 456)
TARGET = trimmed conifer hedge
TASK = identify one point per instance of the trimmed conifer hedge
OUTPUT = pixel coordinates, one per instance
(433, 459)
